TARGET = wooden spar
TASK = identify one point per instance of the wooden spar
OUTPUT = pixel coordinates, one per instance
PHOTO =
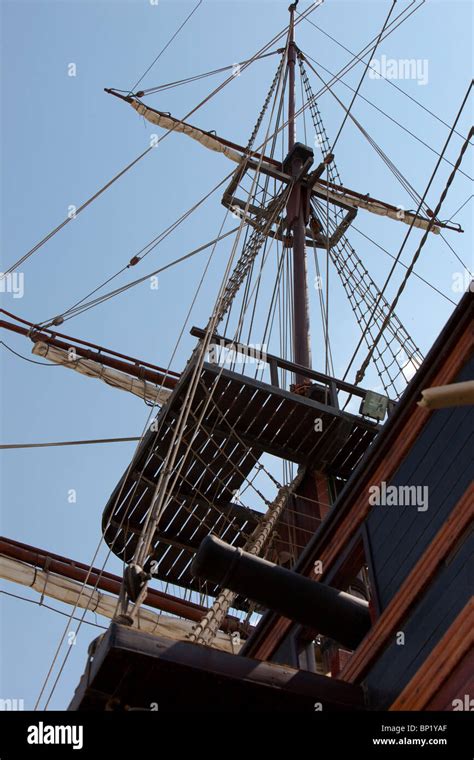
(122, 380)
(291, 63)
(77, 594)
(137, 369)
(104, 581)
(297, 213)
(446, 396)
(55, 334)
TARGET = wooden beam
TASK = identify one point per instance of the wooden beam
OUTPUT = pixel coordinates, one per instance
(169, 673)
(241, 348)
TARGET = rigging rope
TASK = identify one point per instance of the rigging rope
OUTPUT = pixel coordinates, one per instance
(402, 247)
(152, 520)
(187, 80)
(129, 468)
(422, 279)
(384, 113)
(389, 163)
(225, 297)
(26, 358)
(66, 221)
(51, 609)
(167, 44)
(372, 53)
(358, 285)
(205, 631)
(64, 443)
(74, 311)
(363, 367)
(359, 59)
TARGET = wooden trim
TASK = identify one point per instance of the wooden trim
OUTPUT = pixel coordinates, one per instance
(348, 564)
(323, 496)
(419, 578)
(267, 647)
(458, 685)
(415, 418)
(440, 664)
(376, 607)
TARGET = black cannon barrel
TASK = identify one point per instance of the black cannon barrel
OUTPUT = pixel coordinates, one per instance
(331, 612)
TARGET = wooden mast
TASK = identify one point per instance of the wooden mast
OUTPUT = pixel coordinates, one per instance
(297, 212)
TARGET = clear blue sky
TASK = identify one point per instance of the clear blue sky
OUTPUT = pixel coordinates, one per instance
(63, 137)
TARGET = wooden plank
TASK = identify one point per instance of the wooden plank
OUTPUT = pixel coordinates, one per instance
(253, 411)
(413, 531)
(236, 408)
(269, 410)
(459, 684)
(411, 589)
(296, 426)
(223, 396)
(436, 669)
(251, 382)
(389, 463)
(424, 625)
(353, 450)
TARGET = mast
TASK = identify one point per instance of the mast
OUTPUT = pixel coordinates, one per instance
(297, 215)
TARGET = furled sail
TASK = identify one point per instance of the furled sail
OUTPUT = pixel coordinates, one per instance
(235, 153)
(165, 121)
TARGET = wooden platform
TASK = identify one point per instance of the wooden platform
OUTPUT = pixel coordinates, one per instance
(131, 669)
(240, 419)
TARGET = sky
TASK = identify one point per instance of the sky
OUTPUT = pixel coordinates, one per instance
(63, 137)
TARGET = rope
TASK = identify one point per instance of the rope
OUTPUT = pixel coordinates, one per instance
(136, 259)
(359, 59)
(461, 207)
(362, 77)
(456, 255)
(64, 443)
(224, 299)
(75, 311)
(25, 358)
(384, 113)
(167, 44)
(409, 230)
(48, 607)
(129, 468)
(205, 631)
(384, 250)
(142, 155)
(389, 163)
(358, 285)
(363, 367)
(196, 77)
